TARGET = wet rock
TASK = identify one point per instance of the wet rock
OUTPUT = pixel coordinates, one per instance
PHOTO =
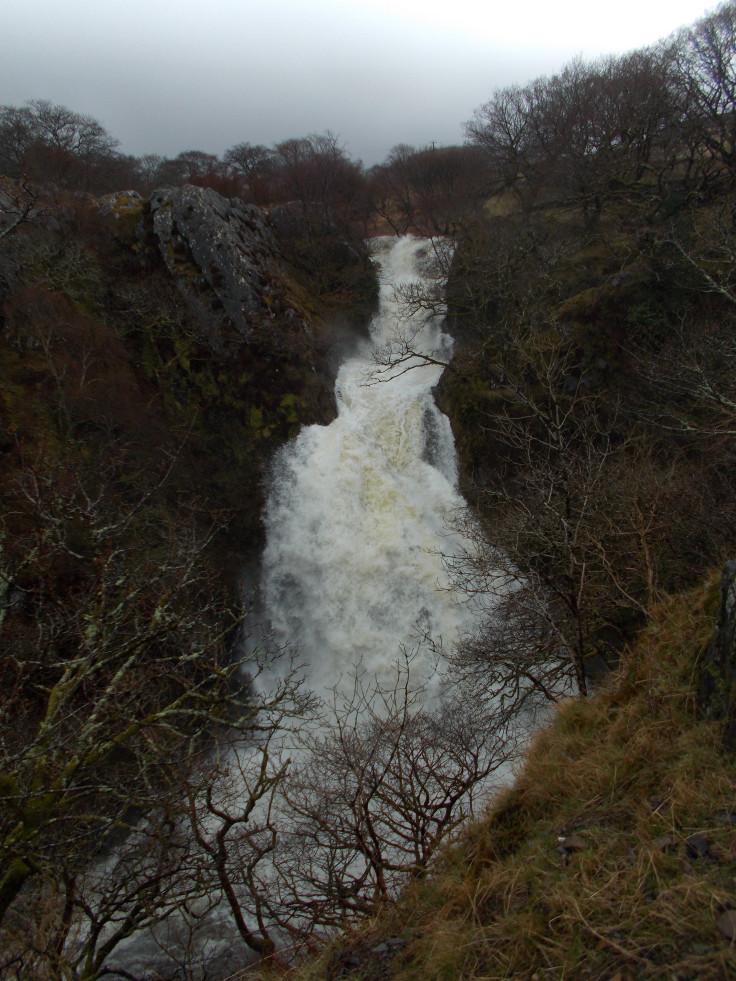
(390, 946)
(367, 963)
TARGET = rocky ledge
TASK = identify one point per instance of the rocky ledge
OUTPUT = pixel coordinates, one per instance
(224, 259)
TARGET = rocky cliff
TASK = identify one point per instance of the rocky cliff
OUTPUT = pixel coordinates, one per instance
(225, 261)
(179, 326)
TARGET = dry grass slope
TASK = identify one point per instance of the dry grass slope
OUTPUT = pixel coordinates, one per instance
(612, 857)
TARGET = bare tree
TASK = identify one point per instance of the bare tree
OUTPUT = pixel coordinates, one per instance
(373, 791)
(503, 129)
(117, 675)
(567, 539)
(232, 810)
(248, 160)
(18, 204)
(702, 251)
(317, 172)
(429, 190)
(593, 133)
(708, 79)
(253, 164)
(18, 131)
(391, 191)
(690, 382)
(68, 147)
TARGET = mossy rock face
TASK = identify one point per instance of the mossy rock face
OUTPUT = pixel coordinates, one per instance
(257, 312)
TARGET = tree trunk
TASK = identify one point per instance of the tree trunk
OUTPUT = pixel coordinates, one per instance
(12, 882)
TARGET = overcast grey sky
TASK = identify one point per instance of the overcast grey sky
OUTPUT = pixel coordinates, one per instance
(166, 77)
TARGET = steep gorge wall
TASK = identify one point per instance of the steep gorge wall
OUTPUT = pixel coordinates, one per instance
(175, 330)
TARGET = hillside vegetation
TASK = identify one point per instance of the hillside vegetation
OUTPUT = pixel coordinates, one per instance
(611, 855)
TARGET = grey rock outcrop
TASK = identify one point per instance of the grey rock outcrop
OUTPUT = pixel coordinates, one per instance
(717, 686)
(221, 254)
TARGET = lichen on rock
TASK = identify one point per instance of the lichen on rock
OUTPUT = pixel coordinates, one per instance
(221, 254)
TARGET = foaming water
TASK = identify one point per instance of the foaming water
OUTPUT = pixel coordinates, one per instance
(358, 510)
(357, 523)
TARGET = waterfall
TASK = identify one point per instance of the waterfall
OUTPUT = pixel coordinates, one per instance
(357, 526)
(357, 514)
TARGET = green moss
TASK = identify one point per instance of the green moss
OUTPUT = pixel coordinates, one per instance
(289, 408)
(126, 217)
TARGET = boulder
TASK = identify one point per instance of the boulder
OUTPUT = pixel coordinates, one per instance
(223, 257)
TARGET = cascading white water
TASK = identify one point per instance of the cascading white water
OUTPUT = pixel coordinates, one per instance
(357, 515)
(357, 523)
